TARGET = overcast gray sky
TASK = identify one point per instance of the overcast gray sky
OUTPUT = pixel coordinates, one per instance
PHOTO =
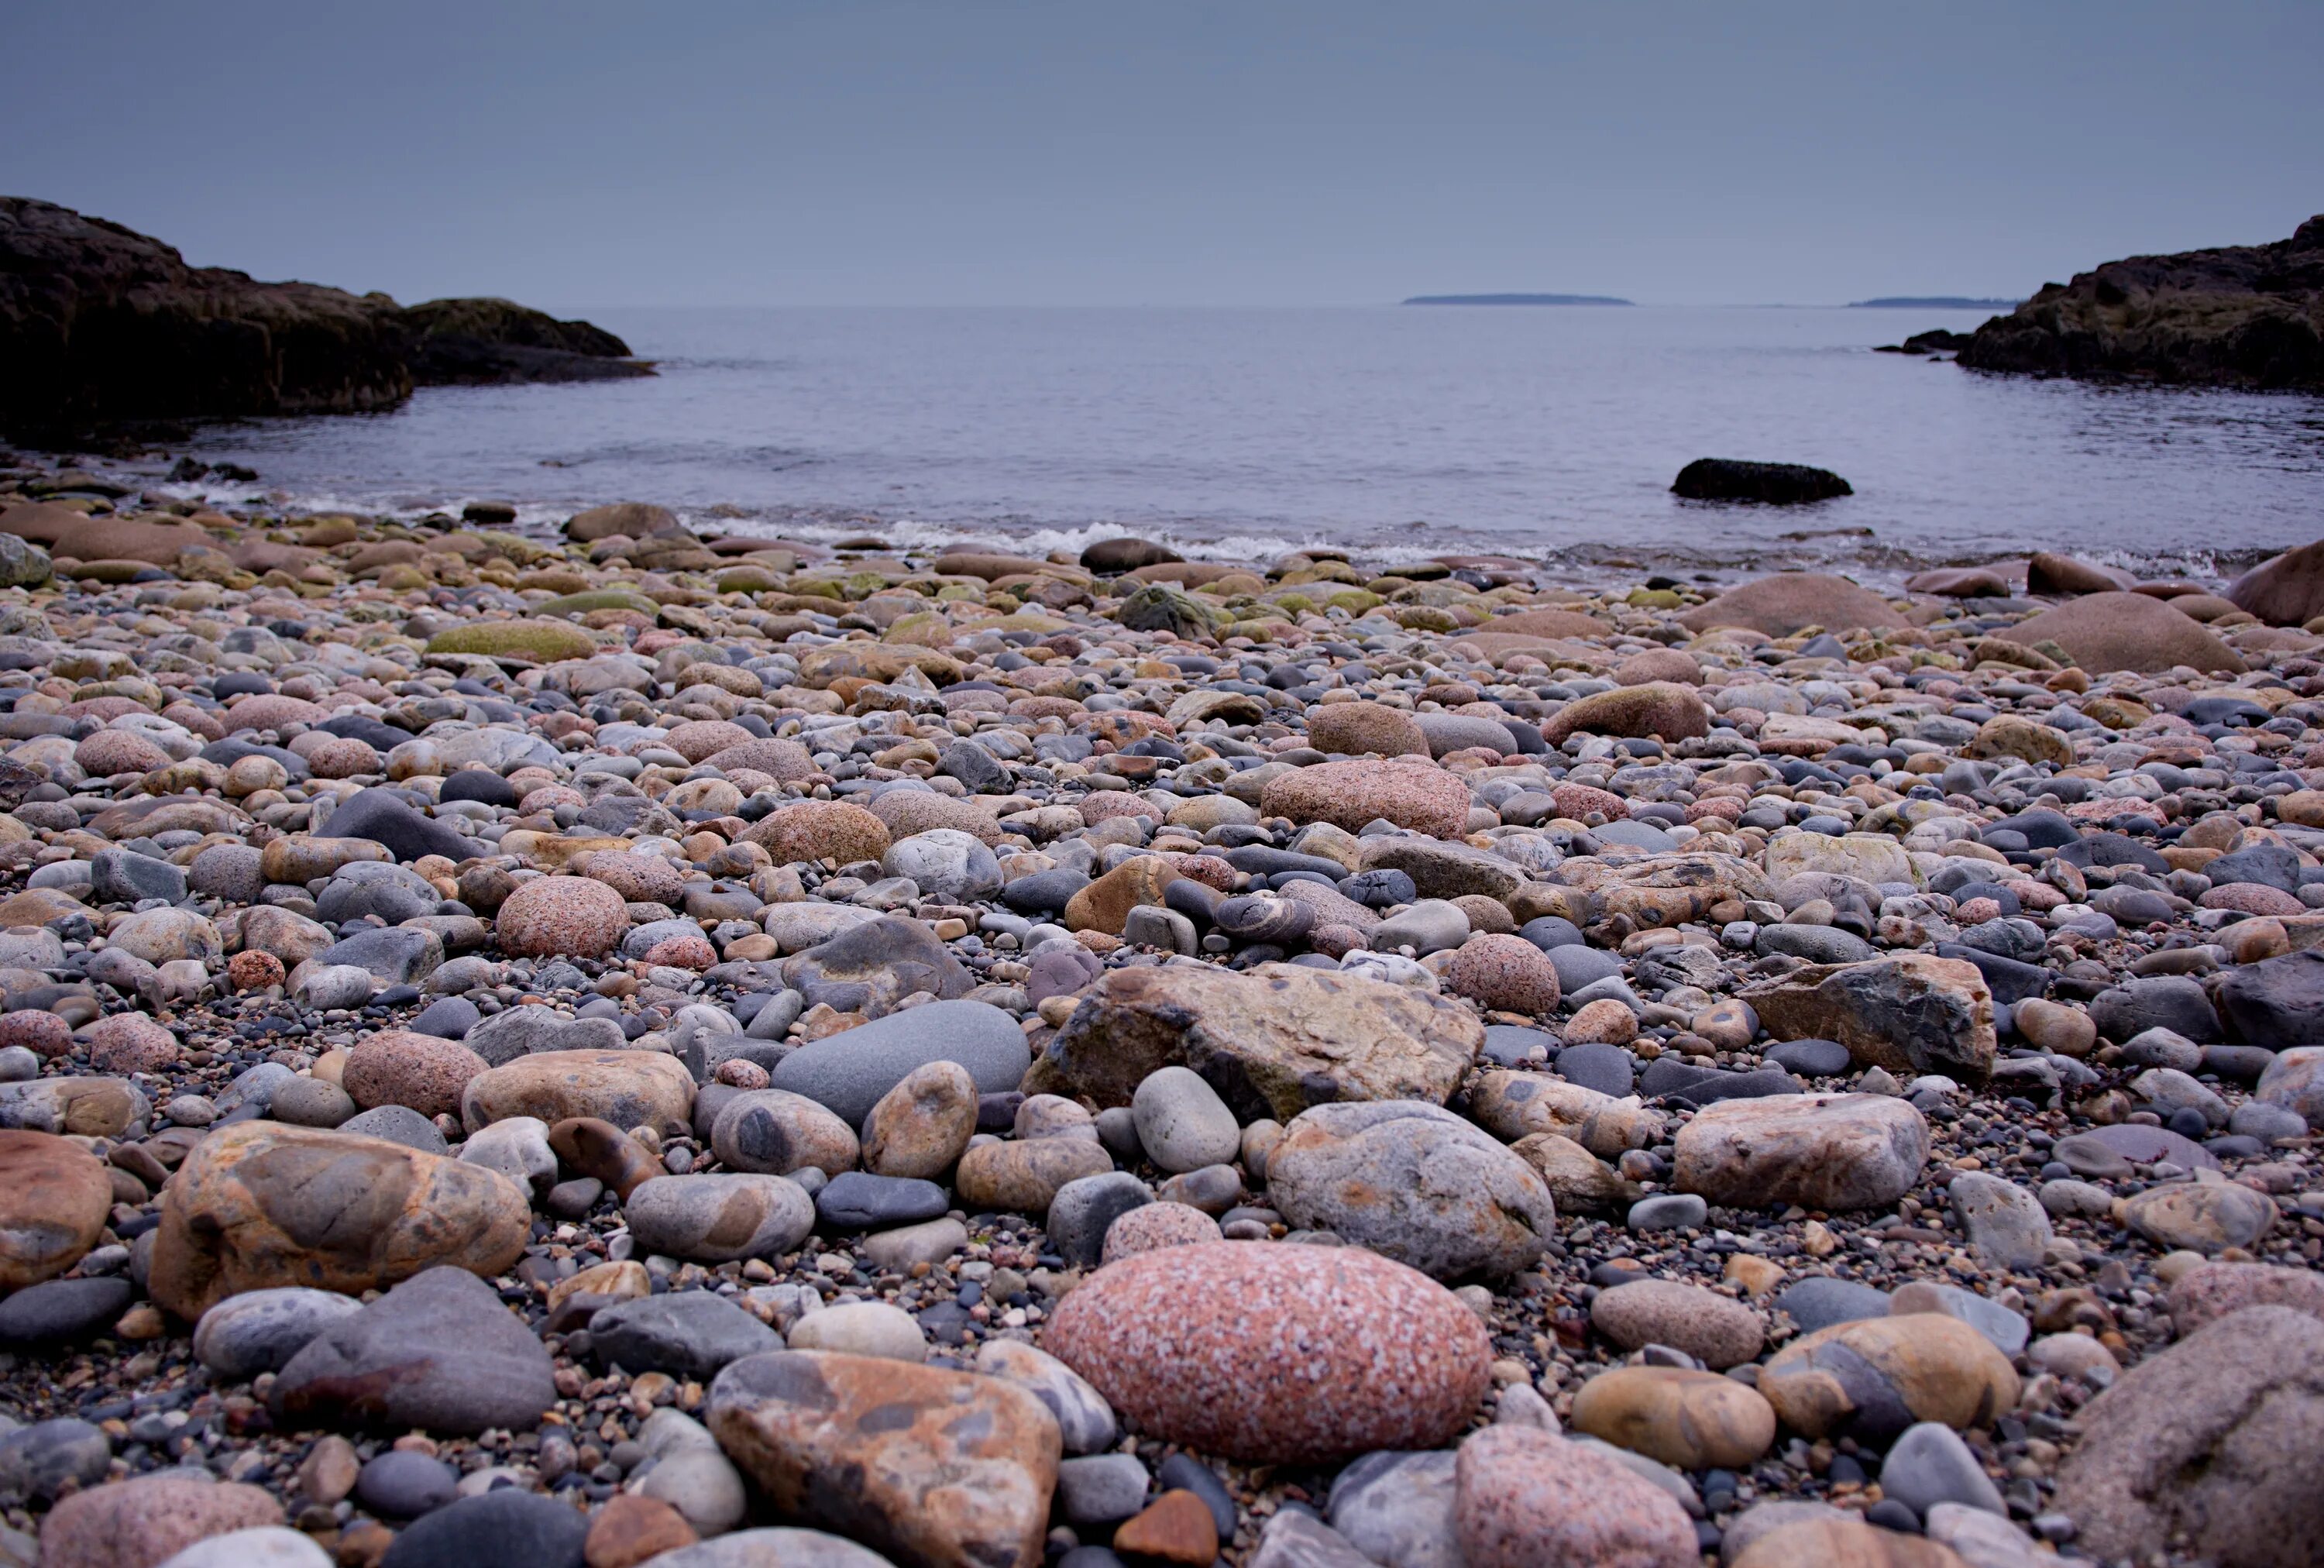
(1101, 152)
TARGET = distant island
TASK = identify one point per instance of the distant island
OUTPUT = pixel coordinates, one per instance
(1931, 303)
(1518, 299)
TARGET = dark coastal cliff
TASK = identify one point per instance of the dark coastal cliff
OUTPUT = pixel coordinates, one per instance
(99, 323)
(2239, 315)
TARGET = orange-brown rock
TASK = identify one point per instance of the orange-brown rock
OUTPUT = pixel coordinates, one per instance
(626, 1088)
(634, 1528)
(54, 1197)
(1873, 1378)
(1105, 903)
(931, 1467)
(264, 1203)
(1176, 1529)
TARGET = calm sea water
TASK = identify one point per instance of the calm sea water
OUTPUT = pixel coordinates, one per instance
(1551, 433)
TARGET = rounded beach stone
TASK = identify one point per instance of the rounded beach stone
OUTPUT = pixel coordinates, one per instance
(263, 1203)
(258, 1331)
(561, 916)
(1415, 1183)
(1182, 1123)
(420, 1071)
(921, 1127)
(1819, 1151)
(626, 1088)
(43, 1034)
(1152, 1226)
(54, 1200)
(1716, 1329)
(1503, 972)
(1275, 1355)
(1524, 1496)
(110, 751)
(136, 1523)
(1688, 1420)
(1873, 1378)
(719, 1219)
(2210, 1291)
(1021, 1175)
(129, 1043)
(1408, 792)
(775, 1133)
(1357, 728)
(818, 830)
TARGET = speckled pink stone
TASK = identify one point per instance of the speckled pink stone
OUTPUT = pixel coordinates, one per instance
(111, 752)
(1504, 971)
(1524, 1498)
(1150, 1227)
(130, 1042)
(43, 1034)
(683, 953)
(343, 758)
(2252, 898)
(561, 916)
(1105, 805)
(702, 738)
(1274, 1353)
(1579, 800)
(271, 710)
(785, 761)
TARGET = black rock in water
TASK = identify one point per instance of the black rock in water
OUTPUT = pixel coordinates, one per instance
(1770, 483)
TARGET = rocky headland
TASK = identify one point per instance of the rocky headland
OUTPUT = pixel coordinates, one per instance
(100, 325)
(2237, 316)
(626, 1046)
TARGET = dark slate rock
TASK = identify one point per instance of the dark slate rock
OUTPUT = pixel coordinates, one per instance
(2010, 981)
(120, 876)
(448, 1018)
(2271, 865)
(440, 1351)
(1378, 889)
(2277, 1003)
(1513, 1044)
(1043, 891)
(2168, 1002)
(1082, 1210)
(848, 1072)
(395, 954)
(2041, 829)
(1811, 1058)
(383, 818)
(1668, 1078)
(1822, 1301)
(59, 1312)
(1185, 1473)
(1815, 943)
(1581, 967)
(481, 785)
(687, 1334)
(380, 738)
(857, 1200)
(1552, 931)
(401, 1485)
(507, 1525)
(1608, 1069)
(37, 1461)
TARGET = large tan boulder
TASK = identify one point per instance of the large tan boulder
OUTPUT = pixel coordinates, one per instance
(2112, 631)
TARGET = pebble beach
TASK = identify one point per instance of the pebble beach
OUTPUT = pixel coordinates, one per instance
(612, 1044)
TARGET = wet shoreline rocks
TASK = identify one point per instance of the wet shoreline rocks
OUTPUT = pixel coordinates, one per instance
(580, 1034)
